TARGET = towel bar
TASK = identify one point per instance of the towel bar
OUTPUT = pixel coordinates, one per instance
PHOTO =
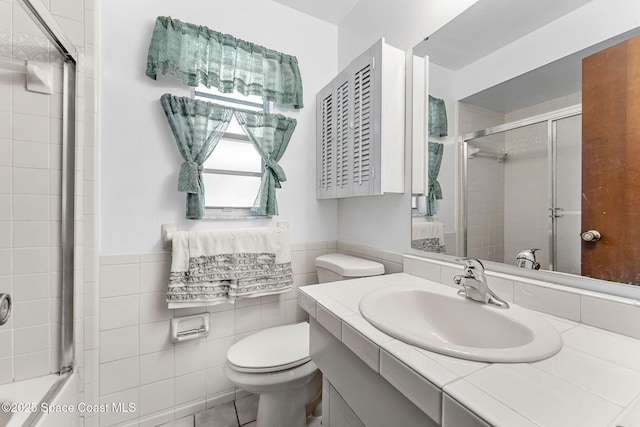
(167, 231)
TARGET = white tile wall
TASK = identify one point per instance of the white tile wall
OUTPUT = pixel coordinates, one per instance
(485, 221)
(30, 160)
(509, 209)
(137, 358)
(27, 252)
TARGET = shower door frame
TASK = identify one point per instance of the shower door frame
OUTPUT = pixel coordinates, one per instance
(551, 118)
(52, 30)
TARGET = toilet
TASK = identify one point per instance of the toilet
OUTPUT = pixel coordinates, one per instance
(275, 362)
(334, 267)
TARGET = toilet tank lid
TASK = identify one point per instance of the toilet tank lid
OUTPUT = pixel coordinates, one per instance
(349, 266)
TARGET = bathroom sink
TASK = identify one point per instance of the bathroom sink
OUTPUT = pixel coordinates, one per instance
(450, 324)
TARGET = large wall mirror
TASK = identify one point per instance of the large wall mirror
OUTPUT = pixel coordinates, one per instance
(527, 175)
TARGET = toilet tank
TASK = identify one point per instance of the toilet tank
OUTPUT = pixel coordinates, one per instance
(334, 267)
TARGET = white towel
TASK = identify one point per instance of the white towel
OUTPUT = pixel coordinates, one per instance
(214, 266)
(428, 230)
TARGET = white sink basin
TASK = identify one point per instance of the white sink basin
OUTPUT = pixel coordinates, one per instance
(456, 326)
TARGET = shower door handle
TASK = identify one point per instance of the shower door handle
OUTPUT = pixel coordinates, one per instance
(556, 212)
(591, 236)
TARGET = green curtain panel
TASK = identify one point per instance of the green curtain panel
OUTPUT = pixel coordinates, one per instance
(436, 150)
(437, 117)
(198, 55)
(270, 135)
(197, 127)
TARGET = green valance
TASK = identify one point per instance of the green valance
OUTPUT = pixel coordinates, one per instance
(198, 55)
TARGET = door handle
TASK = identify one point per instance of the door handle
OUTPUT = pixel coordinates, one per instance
(591, 236)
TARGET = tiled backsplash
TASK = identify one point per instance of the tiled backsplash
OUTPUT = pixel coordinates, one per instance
(620, 315)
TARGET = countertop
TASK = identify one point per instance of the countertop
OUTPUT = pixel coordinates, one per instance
(594, 380)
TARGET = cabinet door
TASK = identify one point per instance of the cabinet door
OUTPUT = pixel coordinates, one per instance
(344, 136)
(363, 70)
(325, 143)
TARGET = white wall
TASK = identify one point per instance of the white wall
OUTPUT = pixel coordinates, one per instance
(403, 24)
(139, 160)
(596, 21)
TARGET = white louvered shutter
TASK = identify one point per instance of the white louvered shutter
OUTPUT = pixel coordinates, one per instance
(344, 168)
(357, 144)
(363, 168)
(325, 153)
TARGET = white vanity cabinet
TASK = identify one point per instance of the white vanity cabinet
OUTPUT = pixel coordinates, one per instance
(360, 127)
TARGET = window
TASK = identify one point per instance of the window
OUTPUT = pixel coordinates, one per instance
(233, 172)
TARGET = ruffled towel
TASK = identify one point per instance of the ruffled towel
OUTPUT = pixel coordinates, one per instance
(426, 230)
(428, 236)
(215, 266)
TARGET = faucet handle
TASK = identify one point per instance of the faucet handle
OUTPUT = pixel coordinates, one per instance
(471, 264)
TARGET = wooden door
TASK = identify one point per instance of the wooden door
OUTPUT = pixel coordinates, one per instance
(611, 162)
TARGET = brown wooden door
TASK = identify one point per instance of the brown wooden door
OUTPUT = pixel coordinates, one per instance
(611, 162)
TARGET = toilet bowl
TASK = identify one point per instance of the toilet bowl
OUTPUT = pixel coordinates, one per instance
(275, 362)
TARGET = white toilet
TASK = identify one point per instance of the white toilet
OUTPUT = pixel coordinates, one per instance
(275, 363)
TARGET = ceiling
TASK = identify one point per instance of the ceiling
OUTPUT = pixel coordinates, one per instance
(459, 43)
(559, 78)
(487, 26)
(332, 11)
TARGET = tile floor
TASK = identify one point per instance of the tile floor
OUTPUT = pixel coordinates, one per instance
(241, 412)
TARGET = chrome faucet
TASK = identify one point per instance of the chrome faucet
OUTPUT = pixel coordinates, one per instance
(474, 284)
(526, 258)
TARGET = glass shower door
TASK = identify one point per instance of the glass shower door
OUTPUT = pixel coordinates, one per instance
(567, 135)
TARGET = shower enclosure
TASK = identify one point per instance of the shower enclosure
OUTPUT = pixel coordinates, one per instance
(37, 194)
(521, 186)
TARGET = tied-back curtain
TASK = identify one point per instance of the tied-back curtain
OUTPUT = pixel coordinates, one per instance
(436, 150)
(270, 135)
(198, 55)
(197, 127)
(437, 117)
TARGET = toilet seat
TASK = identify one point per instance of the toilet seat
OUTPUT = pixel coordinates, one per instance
(273, 349)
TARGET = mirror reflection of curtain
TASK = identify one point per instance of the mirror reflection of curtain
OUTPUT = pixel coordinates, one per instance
(437, 117)
(434, 193)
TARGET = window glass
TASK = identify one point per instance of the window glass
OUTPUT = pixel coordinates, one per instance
(233, 155)
(230, 191)
(233, 172)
